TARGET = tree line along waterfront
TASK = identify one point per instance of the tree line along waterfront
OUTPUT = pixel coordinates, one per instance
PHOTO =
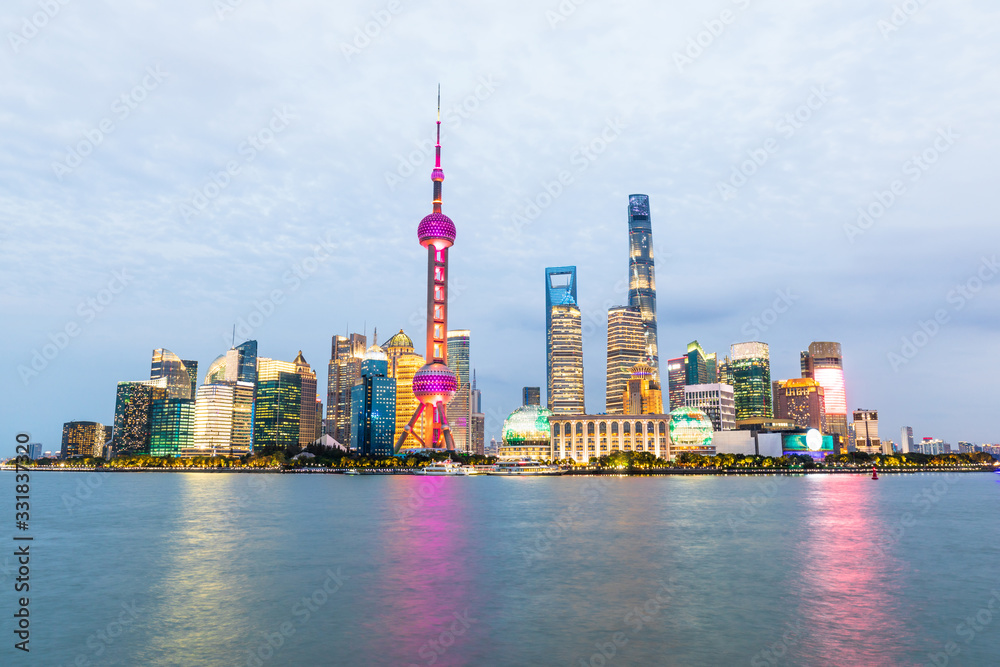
(321, 459)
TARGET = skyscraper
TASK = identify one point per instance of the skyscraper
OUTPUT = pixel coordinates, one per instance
(715, 400)
(801, 400)
(181, 374)
(906, 439)
(343, 373)
(626, 348)
(642, 277)
(531, 396)
(278, 411)
(478, 426)
(696, 367)
(133, 415)
(564, 342)
(435, 384)
(866, 433)
(373, 406)
(213, 420)
(642, 394)
(171, 426)
(307, 415)
(460, 407)
(751, 371)
(824, 362)
(81, 439)
(676, 380)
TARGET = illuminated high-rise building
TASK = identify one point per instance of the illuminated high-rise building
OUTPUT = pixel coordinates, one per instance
(278, 410)
(696, 365)
(866, 433)
(626, 348)
(213, 420)
(435, 384)
(400, 344)
(171, 426)
(373, 405)
(181, 374)
(801, 400)
(824, 362)
(343, 373)
(751, 370)
(676, 381)
(564, 342)
(724, 373)
(531, 395)
(460, 407)
(716, 401)
(403, 368)
(642, 277)
(906, 439)
(307, 415)
(81, 439)
(642, 394)
(478, 424)
(134, 413)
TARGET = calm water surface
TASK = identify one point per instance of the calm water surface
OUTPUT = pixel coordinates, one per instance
(207, 569)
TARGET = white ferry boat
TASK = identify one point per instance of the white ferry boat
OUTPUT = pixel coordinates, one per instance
(448, 468)
(525, 468)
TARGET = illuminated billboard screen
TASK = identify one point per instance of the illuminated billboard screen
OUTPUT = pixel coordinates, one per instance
(812, 444)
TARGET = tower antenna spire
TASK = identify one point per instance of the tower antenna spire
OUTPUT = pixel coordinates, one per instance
(438, 174)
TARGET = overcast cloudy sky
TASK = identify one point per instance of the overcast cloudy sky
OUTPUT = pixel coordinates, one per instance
(170, 169)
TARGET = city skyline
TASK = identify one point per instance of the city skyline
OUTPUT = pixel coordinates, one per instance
(107, 261)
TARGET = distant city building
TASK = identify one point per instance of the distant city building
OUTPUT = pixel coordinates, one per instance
(724, 372)
(716, 401)
(642, 394)
(642, 276)
(181, 374)
(278, 410)
(690, 432)
(373, 402)
(460, 407)
(531, 395)
(564, 342)
(35, 450)
(751, 372)
(307, 416)
(526, 434)
(931, 446)
(171, 426)
(343, 373)
(802, 400)
(906, 439)
(626, 348)
(866, 433)
(478, 424)
(494, 448)
(582, 437)
(676, 381)
(824, 362)
(134, 413)
(403, 367)
(696, 366)
(78, 439)
(213, 420)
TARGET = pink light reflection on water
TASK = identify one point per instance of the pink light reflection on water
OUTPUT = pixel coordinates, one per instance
(853, 611)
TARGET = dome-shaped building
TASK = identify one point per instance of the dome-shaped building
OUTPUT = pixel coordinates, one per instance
(527, 434)
(690, 431)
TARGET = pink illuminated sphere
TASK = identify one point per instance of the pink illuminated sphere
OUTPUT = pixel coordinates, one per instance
(433, 383)
(437, 230)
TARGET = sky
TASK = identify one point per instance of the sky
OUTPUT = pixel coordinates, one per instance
(816, 171)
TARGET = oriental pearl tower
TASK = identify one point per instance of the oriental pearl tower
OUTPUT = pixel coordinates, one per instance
(435, 384)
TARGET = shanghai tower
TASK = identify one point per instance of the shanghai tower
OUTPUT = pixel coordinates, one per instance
(435, 384)
(642, 278)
